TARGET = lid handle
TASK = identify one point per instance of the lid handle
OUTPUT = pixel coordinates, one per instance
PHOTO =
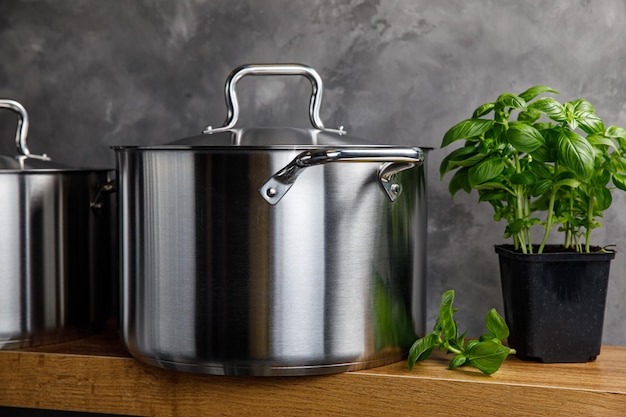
(22, 129)
(232, 104)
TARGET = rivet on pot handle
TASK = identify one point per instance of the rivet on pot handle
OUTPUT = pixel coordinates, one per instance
(395, 160)
(232, 104)
(22, 129)
(386, 174)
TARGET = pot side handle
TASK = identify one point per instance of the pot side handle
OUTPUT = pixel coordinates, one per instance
(22, 129)
(232, 103)
(394, 160)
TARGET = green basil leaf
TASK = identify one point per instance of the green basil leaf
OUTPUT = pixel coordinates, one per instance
(524, 138)
(541, 187)
(486, 170)
(493, 185)
(615, 132)
(601, 140)
(589, 122)
(582, 200)
(523, 178)
(460, 181)
(570, 119)
(619, 180)
(458, 360)
(422, 348)
(484, 337)
(515, 226)
(576, 154)
(581, 105)
(528, 116)
(437, 326)
(447, 164)
(542, 126)
(460, 341)
(448, 324)
(471, 345)
(496, 325)
(602, 178)
(564, 175)
(618, 163)
(483, 110)
(544, 154)
(550, 107)
(541, 170)
(488, 356)
(603, 199)
(511, 100)
(492, 195)
(469, 128)
(569, 182)
(468, 161)
(533, 92)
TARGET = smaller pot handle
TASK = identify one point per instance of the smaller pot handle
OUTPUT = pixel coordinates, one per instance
(232, 104)
(22, 129)
(107, 188)
(395, 160)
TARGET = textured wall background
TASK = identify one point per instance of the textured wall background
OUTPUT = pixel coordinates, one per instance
(94, 74)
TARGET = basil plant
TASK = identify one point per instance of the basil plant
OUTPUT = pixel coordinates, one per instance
(539, 162)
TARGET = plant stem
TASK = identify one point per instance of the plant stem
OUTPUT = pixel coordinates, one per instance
(548, 224)
(519, 209)
(589, 225)
(567, 226)
(520, 215)
(451, 349)
(527, 215)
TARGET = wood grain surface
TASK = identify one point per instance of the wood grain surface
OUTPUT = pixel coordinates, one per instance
(96, 374)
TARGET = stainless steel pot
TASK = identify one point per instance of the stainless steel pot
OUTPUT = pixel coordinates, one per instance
(55, 247)
(271, 251)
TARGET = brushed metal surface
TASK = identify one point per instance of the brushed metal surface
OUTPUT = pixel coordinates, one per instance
(216, 280)
(55, 256)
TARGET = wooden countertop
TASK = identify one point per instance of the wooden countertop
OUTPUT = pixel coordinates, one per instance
(96, 374)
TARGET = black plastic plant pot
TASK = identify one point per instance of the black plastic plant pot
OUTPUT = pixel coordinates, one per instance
(554, 303)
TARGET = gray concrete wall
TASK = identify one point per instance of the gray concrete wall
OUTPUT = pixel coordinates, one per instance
(94, 74)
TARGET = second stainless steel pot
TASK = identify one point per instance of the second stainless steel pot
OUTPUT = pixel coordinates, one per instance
(55, 247)
(271, 251)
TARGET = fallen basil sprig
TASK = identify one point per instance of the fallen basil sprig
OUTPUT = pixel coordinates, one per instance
(486, 354)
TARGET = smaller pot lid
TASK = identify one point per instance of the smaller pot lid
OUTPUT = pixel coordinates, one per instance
(25, 160)
(24, 163)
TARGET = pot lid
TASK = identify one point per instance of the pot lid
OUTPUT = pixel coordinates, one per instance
(267, 137)
(271, 137)
(25, 160)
